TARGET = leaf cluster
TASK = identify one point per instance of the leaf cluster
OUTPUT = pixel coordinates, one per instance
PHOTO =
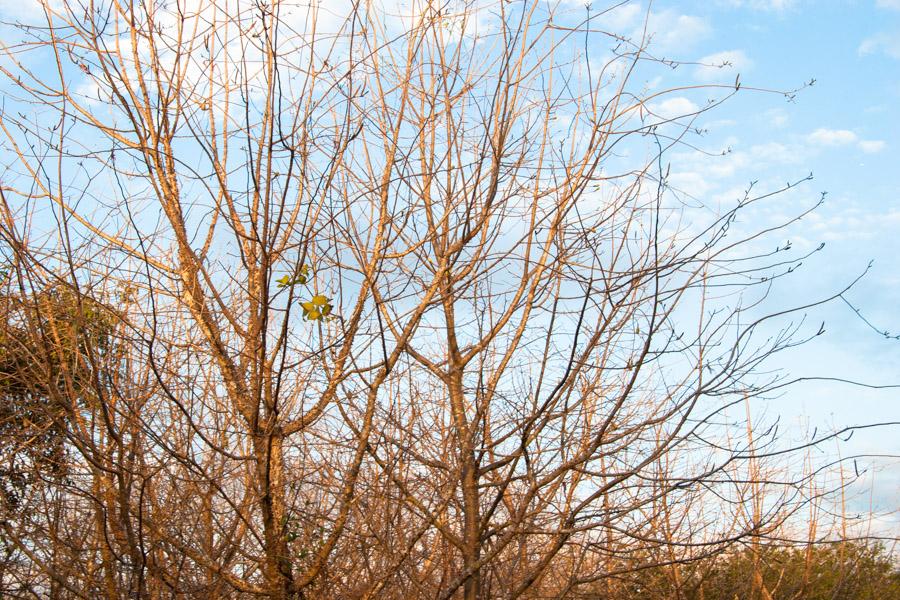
(314, 309)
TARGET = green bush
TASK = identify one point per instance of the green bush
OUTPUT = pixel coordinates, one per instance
(837, 571)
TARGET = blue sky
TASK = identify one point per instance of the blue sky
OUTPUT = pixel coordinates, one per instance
(845, 129)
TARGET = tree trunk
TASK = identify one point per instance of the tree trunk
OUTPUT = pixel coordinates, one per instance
(270, 479)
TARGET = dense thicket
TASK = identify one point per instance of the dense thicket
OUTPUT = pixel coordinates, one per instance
(840, 571)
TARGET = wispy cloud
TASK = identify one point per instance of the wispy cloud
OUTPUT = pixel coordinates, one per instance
(777, 117)
(674, 32)
(723, 177)
(844, 137)
(889, 4)
(872, 146)
(831, 137)
(881, 43)
(722, 65)
(621, 17)
(853, 222)
(671, 31)
(29, 12)
(674, 107)
(769, 5)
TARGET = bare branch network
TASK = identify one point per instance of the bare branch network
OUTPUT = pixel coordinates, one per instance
(375, 300)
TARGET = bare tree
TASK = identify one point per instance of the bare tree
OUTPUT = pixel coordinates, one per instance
(386, 313)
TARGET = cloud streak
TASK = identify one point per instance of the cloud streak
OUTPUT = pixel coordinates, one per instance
(723, 65)
(766, 5)
(833, 138)
(881, 43)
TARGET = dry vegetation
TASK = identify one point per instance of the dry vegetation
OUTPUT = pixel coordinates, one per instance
(374, 306)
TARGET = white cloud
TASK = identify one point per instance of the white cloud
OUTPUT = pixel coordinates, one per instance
(831, 137)
(872, 146)
(670, 31)
(690, 182)
(889, 4)
(777, 117)
(722, 65)
(621, 17)
(775, 153)
(719, 124)
(27, 12)
(885, 43)
(673, 108)
(769, 5)
(853, 222)
(743, 164)
(673, 32)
